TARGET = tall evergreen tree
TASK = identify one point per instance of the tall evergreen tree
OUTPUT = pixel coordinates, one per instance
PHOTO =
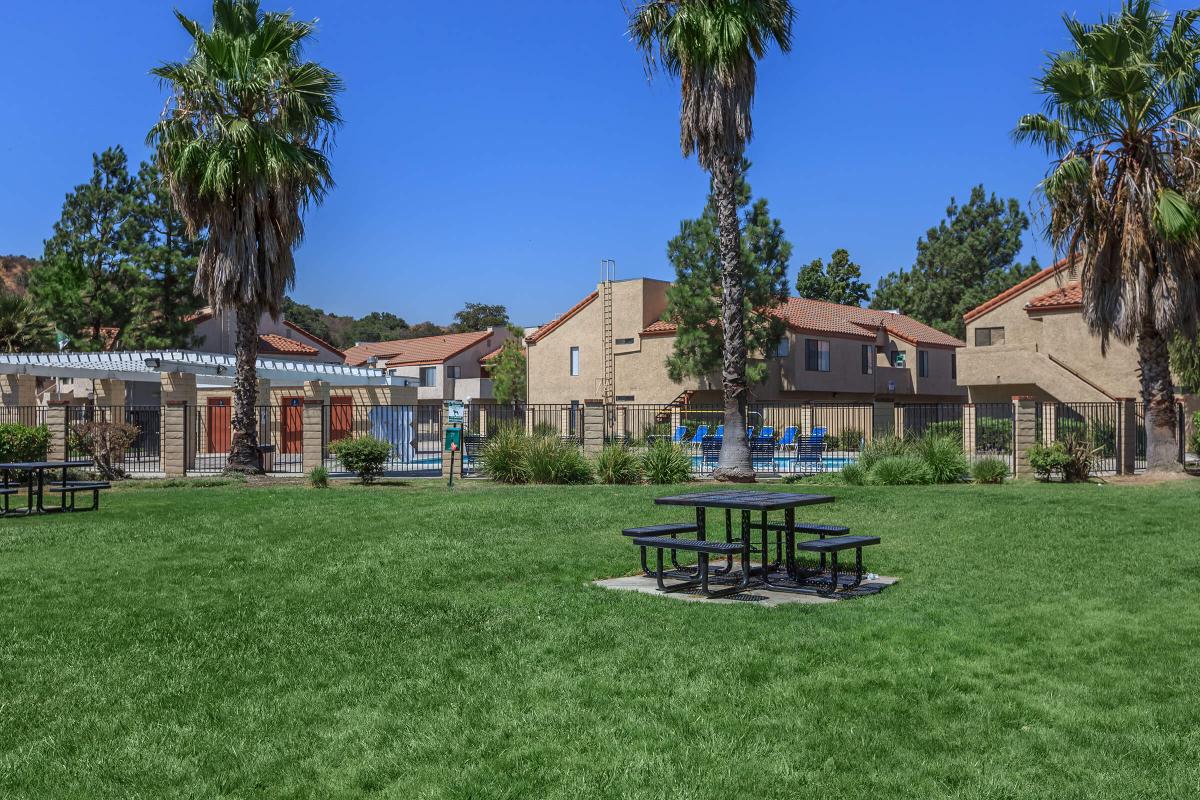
(694, 302)
(508, 370)
(840, 282)
(967, 259)
(88, 279)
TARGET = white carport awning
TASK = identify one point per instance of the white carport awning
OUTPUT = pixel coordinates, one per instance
(214, 369)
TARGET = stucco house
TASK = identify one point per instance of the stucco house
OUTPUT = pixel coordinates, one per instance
(447, 367)
(831, 353)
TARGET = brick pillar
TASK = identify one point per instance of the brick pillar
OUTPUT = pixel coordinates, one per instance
(883, 418)
(56, 421)
(806, 422)
(483, 420)
(676, 420)
(622, 422)
(316, 397)
(968, 429)
(18, 391)
(108, 393)
(593, 427)
(178, 391)
(1126, 435)
(1025, 420)
(1049, 422)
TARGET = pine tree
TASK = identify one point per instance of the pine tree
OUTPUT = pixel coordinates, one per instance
(841, 282)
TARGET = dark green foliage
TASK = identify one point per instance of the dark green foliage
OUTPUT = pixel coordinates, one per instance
(24, 327)
(1185, 362)
(1195, 443)
(665, 463)
(952, 428)
(508, 371)
(992, 434)
(479, 316)
(989, 470)
(382, 326)
(618, 465)
(840, 282)
(554, 461)
(365, 456)
(23, 442)
(854, 474)
(968, 258)
(943, 455)
(850, 439)
(1102, 434)
(905, 470)
(503, 455)
(318, 478)
(883, 447)
(1071, 458)
(694, 300)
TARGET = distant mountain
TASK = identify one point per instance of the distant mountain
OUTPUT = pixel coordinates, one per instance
(14, 273)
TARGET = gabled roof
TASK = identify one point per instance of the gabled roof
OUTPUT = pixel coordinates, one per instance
(412, 352)
(831, 319)
(281, 345)
(544, 330)
(207, 313)
(1066, 297)
(1008, 294)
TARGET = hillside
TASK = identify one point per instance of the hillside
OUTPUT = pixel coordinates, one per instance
(14, 272)
(345, 331)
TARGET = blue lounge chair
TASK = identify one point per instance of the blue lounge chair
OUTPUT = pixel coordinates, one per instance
(749, 432)
(812, 450)
(789, 437)
(720, 434)
(768, 432)
(680, 435)
(701, 432)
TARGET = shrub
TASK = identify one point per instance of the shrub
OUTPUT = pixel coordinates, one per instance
(904, 470)
(990, 470)
(318, 478)
(365, 456)
(551, 460)
(106, 444)
(944, 456)
(854, 474)
(617, 464)
(545, 429)
(503, 456)
(665, 462)
(1196, 433)
(23, 442)
(993, 435)
(1072, 458)
(883, 447)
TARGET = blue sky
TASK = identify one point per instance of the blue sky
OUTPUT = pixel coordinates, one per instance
(498, 153)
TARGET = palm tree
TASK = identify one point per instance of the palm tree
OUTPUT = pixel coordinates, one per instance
(243, 144)
(24, 327)
(1123, 190)
(712, 46)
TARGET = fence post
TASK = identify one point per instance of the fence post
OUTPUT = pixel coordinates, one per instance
(622, 423)
(968, 429)
(883, 418)
(1182, 432)
(1126, 435)
(175, 438)
(1049, 422)
(593, 427)
(56, 421)
(1025, 432)
(483, 420)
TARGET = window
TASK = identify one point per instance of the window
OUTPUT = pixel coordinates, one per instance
(574, 361)
(986, 337)
(922, 363)
(899, 359)
(625, 398)
(954, 366)
(783, 349)
(624, 341)
(816, 355)
(868, 359)
(429, 376)
(452, 372)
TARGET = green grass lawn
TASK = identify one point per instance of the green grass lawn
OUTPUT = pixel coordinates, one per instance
(413, 642)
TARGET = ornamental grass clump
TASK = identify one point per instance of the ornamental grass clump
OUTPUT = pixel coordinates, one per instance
(907, 470)
(883, 447)
(504, 456)
(616, 464)
(989, 470)
(943, 454)
(551, 460)
(666, 463)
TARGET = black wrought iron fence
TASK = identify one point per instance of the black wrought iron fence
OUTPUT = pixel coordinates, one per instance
(413, 431)
(143, 456)
(31, 416)
(1096, 423)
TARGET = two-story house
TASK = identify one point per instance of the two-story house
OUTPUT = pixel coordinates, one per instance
(447, 367)
(831, 353)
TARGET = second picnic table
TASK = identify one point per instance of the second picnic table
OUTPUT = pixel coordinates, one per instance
(36, 478)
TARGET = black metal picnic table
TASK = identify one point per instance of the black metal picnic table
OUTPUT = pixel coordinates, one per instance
(38, 469)
(749, 502)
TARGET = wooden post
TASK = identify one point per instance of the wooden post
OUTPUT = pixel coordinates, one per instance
(108, 393)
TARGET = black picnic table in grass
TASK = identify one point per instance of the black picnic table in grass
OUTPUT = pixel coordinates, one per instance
(755, 508)
(35, 484)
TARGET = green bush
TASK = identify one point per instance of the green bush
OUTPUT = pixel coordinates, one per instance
(1071, 457)
(666, 463)
(318, 478)
(23, 442)
(943, 455)
(990, 470)
(551, 460)
(617, 465)
(903, 470)
(883, 447)
(854, 474)
(504, 456)
(1195, 447)
(993, 435)
(365, 456)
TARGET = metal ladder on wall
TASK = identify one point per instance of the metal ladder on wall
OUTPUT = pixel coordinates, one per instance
(608, 271)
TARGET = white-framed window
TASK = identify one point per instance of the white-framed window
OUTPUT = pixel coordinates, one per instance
(429, 376)
(816, 355)
(574, 362)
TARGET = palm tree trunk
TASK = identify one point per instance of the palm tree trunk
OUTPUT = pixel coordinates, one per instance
(243, 449)
(1158, 399)
(734, 462)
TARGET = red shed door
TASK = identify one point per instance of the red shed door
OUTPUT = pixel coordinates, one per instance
(341, 417)
(292, 425)
(218, 425)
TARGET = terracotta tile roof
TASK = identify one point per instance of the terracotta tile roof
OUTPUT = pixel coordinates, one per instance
(1008, 294)
(815, 316)
(273, 343)
(492, 356)
(203, 315)
(541, 332)
(1069, 295)
(408, 352)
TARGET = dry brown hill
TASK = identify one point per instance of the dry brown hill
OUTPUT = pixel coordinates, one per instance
(14, 272)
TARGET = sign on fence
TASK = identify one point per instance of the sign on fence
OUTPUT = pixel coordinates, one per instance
(455, 412)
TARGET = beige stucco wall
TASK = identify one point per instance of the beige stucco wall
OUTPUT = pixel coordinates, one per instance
(218, 334)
